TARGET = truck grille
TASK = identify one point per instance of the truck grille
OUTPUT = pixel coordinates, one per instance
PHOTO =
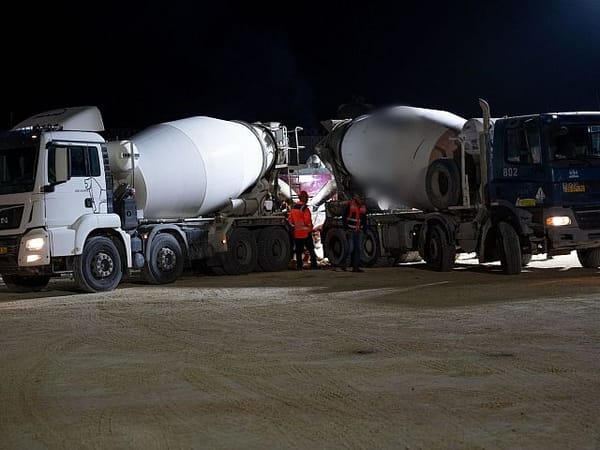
(10, 216)
(9, 253)
(588, 219)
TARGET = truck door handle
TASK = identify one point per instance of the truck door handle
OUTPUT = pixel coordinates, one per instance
(88, 202)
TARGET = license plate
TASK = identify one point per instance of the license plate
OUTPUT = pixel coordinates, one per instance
(3, 250)
(573, 187)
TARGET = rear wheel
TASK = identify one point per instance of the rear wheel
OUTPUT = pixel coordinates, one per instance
(98, 268)
(509, 249)
(336, 246)
(165, 260)
(369, 248)
(241, 254)
(274, 249)
(589, 257)
(25, 283)
(439, 253)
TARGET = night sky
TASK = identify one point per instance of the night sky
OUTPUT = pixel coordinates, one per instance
(296, 63)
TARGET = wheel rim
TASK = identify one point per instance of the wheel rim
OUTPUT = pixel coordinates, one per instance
(167, 259)
(276, 249)
(434, 249)
(102, 265)
(242, 252)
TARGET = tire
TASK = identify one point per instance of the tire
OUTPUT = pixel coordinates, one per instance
(442, 183)
(509, 249)
(369, 248)
(274, 249)
(336, 246)
(99, 267)
(439, 253)
(165, 260)
(25, 283)
(525, 259)
(589, 257)
(241, 255)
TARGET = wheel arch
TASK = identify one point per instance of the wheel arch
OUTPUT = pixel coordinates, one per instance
(152, 231)
(109, 225)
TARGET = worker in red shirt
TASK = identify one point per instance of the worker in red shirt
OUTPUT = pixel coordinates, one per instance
(300, 219)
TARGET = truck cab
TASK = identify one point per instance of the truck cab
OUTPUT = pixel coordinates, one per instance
(549, 165)
(55, 193)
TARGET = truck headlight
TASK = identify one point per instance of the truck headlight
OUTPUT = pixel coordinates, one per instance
(35, 244)
(558, 221)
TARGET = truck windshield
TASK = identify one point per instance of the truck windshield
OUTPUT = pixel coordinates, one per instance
(17, 169)
(577, 142)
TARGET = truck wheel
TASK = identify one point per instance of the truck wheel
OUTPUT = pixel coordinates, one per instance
(442, 183)
(165, 260)
(369, 248)
(589, 257)
(439, 253)
(241, 255)
(336, 246)
(22, 283)
(274, 249)
(509, 249)
(98, 268)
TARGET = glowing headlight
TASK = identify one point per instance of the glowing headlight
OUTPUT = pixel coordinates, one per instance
(558, 221)
(34, 244)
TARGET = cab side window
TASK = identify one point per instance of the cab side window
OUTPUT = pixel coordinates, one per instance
(83, 162)
(523, 144)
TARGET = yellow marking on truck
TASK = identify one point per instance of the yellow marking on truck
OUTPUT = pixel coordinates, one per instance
(3, 250)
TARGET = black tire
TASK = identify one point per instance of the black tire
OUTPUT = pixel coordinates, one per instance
(25, 283)
(442, 183)
(241, 255)
(369, 248)
(274, 249)
(509, 249)
(336, 246)
(165, 260)
(439, 253)
(99, 267)
(589, 257)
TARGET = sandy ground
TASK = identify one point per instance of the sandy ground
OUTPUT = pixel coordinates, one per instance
(395, 358)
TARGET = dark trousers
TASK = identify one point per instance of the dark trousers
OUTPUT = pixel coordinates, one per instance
(353, 238)
(307, 243)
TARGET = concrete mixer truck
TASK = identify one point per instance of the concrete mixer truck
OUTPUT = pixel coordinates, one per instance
(505, 188)
(193, 192)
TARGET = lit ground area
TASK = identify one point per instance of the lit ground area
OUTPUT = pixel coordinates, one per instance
(396, 357)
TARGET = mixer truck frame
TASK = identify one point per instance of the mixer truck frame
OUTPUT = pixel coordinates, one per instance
(197, 192)
(505, 189)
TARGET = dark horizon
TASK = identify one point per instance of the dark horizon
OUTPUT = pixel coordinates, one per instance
(142, 67)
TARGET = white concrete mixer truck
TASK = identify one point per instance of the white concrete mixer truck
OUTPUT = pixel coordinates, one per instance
(193, 192)
(500, 188)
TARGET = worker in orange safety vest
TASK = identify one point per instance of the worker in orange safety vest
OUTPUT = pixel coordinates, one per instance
(355, 223)
(300, 218)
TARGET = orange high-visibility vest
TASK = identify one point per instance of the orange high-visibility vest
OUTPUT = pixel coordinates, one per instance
(300, 218)
(354, 213)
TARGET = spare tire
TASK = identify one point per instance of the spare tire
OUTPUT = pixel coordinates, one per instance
(442, 183)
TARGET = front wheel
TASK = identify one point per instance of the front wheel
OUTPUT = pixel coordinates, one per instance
(99, 267)
(509, 249)
(589, 257)
(165, 260)
(439, 253)
(24, 283)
